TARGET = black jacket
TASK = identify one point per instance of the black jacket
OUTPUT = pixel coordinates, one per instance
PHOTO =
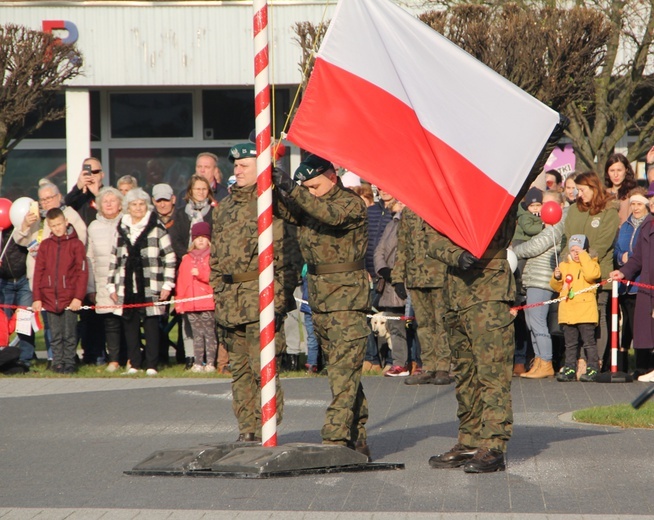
(13, 264)
(83, 203)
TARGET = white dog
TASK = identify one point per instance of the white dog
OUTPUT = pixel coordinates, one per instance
(378, 324)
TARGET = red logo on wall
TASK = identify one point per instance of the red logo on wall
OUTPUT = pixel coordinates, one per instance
(61, 25)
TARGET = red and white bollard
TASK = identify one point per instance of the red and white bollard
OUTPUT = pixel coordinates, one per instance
(264, 213)
(614, 326)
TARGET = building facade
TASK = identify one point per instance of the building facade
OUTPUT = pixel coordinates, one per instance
(161, 82)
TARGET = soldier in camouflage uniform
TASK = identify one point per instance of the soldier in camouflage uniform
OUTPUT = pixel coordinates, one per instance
(234, 278)
(479, 294)
(333, 238)
(424, 276)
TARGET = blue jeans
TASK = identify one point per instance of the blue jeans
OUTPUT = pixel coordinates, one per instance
(536, 318)
(313, 349)
(17, 292)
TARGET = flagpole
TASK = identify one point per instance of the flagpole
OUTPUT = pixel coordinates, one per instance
(264, 214)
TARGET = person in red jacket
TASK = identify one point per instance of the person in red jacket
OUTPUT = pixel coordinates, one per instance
(60, 278)
(193, 282)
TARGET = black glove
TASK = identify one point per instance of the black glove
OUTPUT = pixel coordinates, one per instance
(279, 321)
(467, 260)
(385, 273)
(283, 180)
(400, 290)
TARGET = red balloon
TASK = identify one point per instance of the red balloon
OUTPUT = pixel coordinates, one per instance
(551, 212)
(5, 206)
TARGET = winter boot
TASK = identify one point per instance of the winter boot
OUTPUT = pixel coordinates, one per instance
(534, 367)
(543, 370)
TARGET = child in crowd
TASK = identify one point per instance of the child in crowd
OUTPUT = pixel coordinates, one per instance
(60, 278)
(193, 281)
(578, 314)
(529, 223)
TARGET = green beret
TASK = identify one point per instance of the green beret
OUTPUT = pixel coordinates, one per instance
(311, 167)
(242, 151)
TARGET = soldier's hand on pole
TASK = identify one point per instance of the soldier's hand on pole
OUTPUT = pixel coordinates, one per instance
(400, 290)
(282, 180)
(467, 260)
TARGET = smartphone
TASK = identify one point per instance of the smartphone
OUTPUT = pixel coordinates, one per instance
(87, 169)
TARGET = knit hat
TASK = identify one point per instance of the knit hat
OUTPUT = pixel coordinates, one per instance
(200, 229)
(242, 151)
(311, 167)
(579, 241)
(534, 195)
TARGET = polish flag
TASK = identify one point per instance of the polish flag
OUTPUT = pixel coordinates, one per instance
(403, 107)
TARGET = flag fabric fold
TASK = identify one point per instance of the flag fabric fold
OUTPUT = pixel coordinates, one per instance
(403, 107)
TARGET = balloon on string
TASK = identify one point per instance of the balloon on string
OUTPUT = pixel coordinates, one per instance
(19, 209)
(5, 221)
(551, 212)
(513, 259)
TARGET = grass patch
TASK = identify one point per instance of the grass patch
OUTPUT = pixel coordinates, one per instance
(622, 415)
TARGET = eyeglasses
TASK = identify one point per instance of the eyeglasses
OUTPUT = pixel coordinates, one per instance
(48, 199)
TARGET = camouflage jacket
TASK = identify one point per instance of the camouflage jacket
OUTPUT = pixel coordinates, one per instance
(489, 279)
(413, 266)
(332, 230)
(234, 250)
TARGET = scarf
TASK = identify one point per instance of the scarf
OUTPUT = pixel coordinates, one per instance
(198, 254)
(637, 221)
(196, 211)
(134, 261)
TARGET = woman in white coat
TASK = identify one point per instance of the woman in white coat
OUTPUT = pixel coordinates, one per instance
(102, 233)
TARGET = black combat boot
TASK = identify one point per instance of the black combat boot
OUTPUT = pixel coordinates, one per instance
(457, 456)
(485, 461)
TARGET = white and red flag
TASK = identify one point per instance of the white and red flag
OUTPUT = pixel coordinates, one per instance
(406, 109)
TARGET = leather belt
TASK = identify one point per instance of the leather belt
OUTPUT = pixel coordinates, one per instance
(240, 277)
(336, 268)
(494, 255)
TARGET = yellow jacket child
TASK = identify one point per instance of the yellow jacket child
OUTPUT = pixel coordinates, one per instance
(570, 277)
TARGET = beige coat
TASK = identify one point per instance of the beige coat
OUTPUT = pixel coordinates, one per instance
(39, 231)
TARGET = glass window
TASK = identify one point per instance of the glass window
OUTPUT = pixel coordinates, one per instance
(52, 129)
(173, 166)
(26, 167)
(229, 114)
(151, 115)
(152, 166)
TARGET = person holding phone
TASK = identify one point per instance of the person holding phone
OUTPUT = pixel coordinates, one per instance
(82, 197)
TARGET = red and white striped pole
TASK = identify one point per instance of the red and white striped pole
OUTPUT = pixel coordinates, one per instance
(264, 213)
(614, 326)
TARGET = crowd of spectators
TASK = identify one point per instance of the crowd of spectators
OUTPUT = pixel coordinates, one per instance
(143, 248)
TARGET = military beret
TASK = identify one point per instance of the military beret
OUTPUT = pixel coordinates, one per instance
(242, 151)
(311, 167)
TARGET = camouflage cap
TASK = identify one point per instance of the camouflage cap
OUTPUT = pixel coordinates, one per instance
(242, 151)
(311, 167)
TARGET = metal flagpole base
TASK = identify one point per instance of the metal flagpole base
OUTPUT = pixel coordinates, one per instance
(251, 460)
(614, 377)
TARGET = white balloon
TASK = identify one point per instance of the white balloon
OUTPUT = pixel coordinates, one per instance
(513, 260)
(19, 209)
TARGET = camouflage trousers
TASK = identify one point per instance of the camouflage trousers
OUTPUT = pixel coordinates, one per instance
(342, 336)
(482, 343)
(429, 306)
(242, 344)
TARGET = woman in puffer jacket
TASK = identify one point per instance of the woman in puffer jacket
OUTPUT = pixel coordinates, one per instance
(102, 234)
(540, 252)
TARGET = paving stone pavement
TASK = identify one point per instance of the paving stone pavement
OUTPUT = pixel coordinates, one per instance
(65, 443)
